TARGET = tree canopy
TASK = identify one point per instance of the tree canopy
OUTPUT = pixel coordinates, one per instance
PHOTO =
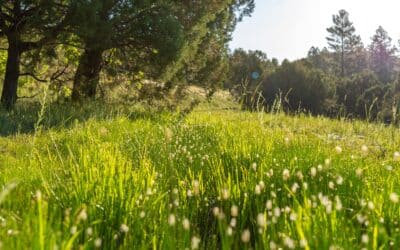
(170, 41)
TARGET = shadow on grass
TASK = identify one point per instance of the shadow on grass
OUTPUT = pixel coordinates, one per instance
(27, 116)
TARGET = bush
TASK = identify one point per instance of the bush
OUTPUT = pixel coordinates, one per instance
(303, 87)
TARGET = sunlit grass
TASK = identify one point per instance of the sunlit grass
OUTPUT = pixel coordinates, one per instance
(215, 179)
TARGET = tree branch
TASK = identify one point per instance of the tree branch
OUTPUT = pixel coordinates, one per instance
(33, 76)
(58, 73)
(28, 97)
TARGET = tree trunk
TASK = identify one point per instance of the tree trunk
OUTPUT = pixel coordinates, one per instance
(10, 85)
(342, 58)
(87, 75)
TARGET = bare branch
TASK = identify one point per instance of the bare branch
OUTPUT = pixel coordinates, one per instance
(28, 97)
(33, 76)
(58, 73)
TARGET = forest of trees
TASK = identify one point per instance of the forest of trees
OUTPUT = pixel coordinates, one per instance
(75, 45)
(78, 47)
(347, 78)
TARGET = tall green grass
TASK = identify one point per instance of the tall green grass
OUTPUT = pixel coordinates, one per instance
(216, 179)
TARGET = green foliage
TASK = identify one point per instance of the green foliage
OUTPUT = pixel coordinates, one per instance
(302, 87)
(103, 41)
(247, 70)
(3, 59)
(203, 58)
(27, 25)
(382, 55)
(351, 92)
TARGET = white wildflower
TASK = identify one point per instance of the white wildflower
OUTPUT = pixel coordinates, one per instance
(295, 186)
(289, 243)
(365, 238)
(303, 243)
(97, 242)
(371, 205)
(216, 211)
(277, 212)
(233, 222)
(234, 211)
(339, 180)
(359, 172)
(299, 175)
(254, 166)
(272, 245)
(364, 149)
(396, 156)
(287, 140)
(171, 220)
(313, 172)
(89, 231)
(328, 162)
(82, 215)
(261, 222)
(293, 216)
(225, 194)
(394, 198)
(229, 231)
(338, 205)
(268, 204)
(124, 228)
(196, 187)
(245, 237)
(195, 242)
(186, 224)
(262, 185)
(285, 174)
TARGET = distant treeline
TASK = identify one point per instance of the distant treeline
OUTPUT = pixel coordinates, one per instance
(75, 45)
(346, 79)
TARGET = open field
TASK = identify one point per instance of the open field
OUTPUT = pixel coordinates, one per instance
(135, 179)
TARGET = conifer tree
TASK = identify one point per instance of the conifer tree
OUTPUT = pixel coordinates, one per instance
(175, 30)
(341, 37)
(208, 30)
(382, 55)
(140, 27)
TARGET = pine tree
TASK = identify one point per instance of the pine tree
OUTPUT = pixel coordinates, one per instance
(208, 29)
(140, 28)
(382, 55)
(175, 30)
(341, 38)
(357, 56)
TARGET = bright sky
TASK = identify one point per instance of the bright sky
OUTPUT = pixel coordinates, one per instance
(288, 28)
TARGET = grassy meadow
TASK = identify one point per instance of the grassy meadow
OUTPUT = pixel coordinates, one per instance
(111, 177)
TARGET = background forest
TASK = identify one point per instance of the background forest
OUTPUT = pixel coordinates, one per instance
(346, 78)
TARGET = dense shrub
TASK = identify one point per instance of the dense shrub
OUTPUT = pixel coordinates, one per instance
(301, 87)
